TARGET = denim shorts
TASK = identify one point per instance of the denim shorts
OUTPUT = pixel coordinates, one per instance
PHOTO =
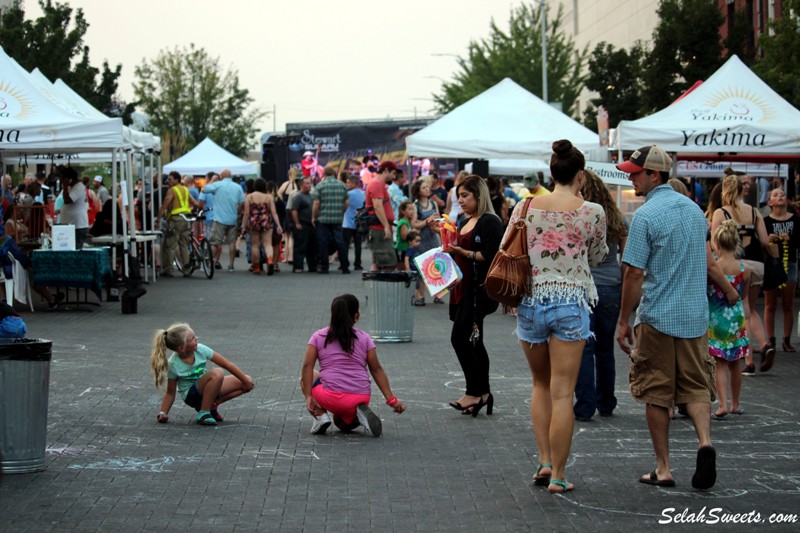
(538, 320)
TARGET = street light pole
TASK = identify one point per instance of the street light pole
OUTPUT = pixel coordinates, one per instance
(543, 4)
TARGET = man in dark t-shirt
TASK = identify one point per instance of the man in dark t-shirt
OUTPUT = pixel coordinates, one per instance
(305, 242)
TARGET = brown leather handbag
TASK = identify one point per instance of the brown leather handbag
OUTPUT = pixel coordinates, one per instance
(509, 276)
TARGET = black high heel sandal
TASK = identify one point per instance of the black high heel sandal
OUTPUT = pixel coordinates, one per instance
(787, 346)
(476, 408)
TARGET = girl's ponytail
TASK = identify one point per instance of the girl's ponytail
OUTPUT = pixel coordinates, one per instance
(172, 338)
(344, 309)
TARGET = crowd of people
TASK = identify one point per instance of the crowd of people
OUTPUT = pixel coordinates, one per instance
(676, 289)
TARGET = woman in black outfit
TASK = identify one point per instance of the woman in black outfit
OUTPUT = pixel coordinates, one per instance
(479, 235)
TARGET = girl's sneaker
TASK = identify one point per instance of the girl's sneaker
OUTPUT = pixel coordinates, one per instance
(369, 420)
(321, 424)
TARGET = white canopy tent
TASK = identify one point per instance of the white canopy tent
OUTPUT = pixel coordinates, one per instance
(504, 122)
(208, 156)
(514, 167)
(732, 115)
(30, 122)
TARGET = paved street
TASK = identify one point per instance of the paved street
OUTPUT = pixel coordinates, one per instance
(111, 467)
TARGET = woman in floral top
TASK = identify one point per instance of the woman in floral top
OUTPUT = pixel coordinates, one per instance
(565, 236)
(260, 219)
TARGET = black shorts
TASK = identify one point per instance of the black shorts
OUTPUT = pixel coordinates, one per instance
(194, 398)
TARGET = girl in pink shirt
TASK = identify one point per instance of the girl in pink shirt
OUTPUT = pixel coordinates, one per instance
(342, 384)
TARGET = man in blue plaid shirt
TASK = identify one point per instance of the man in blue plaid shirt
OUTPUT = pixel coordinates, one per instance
(667, 265)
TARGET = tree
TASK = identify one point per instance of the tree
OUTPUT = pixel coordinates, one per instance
(189, 97)
(686, 48)
(616, 76)
(517, 54)
(780, 65)
(53, 43)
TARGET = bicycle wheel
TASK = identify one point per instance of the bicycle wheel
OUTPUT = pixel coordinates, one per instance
(206, 259)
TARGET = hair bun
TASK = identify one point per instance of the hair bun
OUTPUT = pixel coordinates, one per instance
(562, 148)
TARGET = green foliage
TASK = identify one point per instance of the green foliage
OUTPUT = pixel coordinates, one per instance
(686, 48)
(188, 97)
(53, 43)
(616, 76)
(517, 54)
(780, 64)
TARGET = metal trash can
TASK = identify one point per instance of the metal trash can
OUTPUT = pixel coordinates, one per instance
(24, 392)
(389, 313)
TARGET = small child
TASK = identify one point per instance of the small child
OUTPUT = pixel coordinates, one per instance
(342, 384)
(414, 241)
(727, 337)
(407, 210)
(185, 370)
(11, 324)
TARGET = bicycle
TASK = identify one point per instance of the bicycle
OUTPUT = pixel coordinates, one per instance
(200, 255)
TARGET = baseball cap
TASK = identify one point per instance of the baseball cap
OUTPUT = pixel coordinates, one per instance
(648, 157)
(530, 179)
(387, 165)
(307, 153)
(98, 178)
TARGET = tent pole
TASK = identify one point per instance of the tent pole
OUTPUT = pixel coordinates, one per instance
(114, 194)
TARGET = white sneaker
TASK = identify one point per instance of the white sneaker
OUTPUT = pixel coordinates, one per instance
(369, 420)
(321, 424)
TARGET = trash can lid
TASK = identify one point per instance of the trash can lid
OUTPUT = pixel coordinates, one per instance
(26, 350)
(400, 276)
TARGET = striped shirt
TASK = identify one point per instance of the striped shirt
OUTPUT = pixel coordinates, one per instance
(667, 240)
(331, 194)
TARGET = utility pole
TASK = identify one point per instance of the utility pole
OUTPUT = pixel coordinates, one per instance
(543, 4)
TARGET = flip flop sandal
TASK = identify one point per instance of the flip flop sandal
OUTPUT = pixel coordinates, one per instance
(206, 419)
(715, 416)
(652, 479)
(739, 411)
(541, 480)
(705, 474)
(565, 486)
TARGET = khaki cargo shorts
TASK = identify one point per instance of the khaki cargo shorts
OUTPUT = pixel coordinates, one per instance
(382, 249)
(223, 233)
(669, 370)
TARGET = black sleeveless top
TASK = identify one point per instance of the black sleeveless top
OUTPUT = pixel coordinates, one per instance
(752, 251)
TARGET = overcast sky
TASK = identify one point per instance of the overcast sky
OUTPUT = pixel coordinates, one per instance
(314, 60)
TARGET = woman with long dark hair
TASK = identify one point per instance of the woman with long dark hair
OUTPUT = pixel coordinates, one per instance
(594, 390)
(342, 385)
(478, 236)
(565, 236)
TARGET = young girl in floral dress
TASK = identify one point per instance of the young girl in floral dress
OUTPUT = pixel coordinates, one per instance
(727, 338)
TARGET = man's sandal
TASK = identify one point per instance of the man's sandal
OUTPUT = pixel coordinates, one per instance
(541, 480)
